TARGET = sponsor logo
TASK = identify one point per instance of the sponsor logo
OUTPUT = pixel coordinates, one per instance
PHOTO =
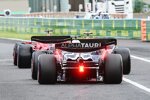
(81, 45)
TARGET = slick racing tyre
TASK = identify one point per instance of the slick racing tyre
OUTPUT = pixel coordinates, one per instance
(113, 69)
(47, 69)
(125, 53)
(34, 65)
(15, 53)
(24, 56)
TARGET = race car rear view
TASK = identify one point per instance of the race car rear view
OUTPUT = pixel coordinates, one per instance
(98, 59)
(23, 52)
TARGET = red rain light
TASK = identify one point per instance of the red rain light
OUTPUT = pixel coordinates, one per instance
(81, 68)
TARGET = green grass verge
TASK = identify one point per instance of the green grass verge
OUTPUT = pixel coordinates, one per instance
(24, 36)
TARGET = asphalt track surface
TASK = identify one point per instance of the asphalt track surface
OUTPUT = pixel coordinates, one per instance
(16, 84)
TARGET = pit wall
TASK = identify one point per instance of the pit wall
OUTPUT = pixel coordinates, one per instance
(130, 29)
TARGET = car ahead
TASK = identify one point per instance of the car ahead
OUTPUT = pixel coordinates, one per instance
(90, 58)
(23, 52)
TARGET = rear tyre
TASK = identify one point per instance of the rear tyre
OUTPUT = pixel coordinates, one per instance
(125, 53)
(24, 56)
(113, 69)
(47, 69)
(15, 53)
(34, 65)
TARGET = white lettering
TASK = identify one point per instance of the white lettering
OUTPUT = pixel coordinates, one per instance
(82, 45)
(86, 45)
(96, 45)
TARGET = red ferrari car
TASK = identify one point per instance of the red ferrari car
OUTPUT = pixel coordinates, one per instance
(22, 52)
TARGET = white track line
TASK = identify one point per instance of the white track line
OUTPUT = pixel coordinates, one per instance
(1, 60)
(135, 83)
(14, 39)
(139, 58)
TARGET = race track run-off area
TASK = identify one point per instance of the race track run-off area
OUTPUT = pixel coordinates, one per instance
(16, 84)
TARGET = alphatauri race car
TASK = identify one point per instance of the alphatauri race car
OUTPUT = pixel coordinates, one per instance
(83, 60)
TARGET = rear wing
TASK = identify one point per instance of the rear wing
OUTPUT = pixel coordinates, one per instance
(51, 39)
(86, 45)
